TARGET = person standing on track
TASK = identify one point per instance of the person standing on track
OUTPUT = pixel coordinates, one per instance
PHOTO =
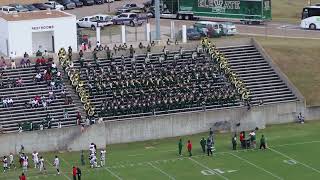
(234, 142)
(263, 142)
(180, 147)
(189, 147)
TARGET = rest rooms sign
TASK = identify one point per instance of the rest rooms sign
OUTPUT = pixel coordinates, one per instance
(42, 28)
(219, 6)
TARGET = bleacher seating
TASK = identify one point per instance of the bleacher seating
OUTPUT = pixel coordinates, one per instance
(257, 74)
(19, 114)
(203, 88)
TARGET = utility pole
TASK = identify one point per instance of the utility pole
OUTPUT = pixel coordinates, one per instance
(157, 16)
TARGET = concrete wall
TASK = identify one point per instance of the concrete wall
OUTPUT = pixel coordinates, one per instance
(140, 129)
(3, 36)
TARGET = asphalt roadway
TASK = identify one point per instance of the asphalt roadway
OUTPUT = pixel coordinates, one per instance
(270, 29)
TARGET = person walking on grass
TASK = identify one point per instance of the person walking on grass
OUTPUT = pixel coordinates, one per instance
(263, 142)
(209, 146)
(203, 144)
(79, 173)
(234, 142)
(82, 158)
(189, 147)
(74, 173)
(180, 145)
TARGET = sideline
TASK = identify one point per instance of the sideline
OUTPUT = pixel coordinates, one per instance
(256, 166)
(49, 164)
(112, 173)
(286, 156)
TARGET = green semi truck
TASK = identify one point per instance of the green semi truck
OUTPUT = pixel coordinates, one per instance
(247, 11)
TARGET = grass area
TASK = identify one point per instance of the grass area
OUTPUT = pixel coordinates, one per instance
(289, 10)
(299, 60)
(292, 154)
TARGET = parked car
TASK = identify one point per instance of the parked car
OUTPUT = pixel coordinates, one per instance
(68, 4)
(19, 7)
(130, 6)
(229, 28)
(108, 1)
(90, 22)
(8, 9)
(120, 11)
(98, 1)
(107, 19)
(55, 5)
(41, 6)
(208, 28)
(131, 19)
(31, 7)
(87, 2)
(78, 3)
(192, 34)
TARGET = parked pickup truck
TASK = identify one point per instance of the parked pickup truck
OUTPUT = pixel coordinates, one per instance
(131, 19)
(91, 22)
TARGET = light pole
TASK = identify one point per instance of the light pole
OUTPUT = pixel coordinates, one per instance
(157, 16)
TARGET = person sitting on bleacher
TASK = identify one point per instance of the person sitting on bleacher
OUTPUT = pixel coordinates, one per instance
(13, 64)
(181, 52)
(19, 82)
(4, 102)
(3, 63)
(38, 78)
(141, 45)
(23, 63)
(131, 51)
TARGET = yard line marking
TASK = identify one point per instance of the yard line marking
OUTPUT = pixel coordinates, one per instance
(114, 174)
(68, 164)
(60, 171)
(204, 166)
(284, 155)
(135, 155)
(155, 167)
(293, 144)
(258, 167)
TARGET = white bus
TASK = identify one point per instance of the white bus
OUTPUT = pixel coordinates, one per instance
(310, 18)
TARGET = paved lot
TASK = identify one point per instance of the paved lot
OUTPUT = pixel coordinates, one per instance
(272, 29)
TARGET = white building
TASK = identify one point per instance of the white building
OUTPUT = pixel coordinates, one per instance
(38, 30)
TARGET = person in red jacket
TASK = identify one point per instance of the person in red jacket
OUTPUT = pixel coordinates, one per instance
(189, 147)
(74, 173)
(22, 177)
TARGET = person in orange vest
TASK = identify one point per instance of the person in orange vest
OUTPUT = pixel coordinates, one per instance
(189, 147)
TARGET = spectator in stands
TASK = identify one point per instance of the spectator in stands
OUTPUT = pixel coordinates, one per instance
(10, 102)
(78, 118)
(141, 46)
(153, 44)
(23, 62)
(65, 114)
(131, 51)
(59, 124)
(80, 54)
(19, 82)
(13, 64)
(28, 62)
(38, 78)
(4, 102)
(3, 63)
(1, 129)
(51, 95)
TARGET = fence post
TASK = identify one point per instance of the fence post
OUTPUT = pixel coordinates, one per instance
(184, 34)
(123, 34)
(147, 31)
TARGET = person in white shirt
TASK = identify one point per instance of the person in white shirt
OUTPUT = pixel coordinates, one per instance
(103, 158)
(5, 164)
(5, 102)
(35, 159)
(25, 164)
(93, 161)
(54, 65)
(56, 163)
(13, 64)
(59, 125)
(11, 161)
(92, 149)
(41, 164)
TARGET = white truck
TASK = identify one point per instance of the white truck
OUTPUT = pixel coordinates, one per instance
(92, 22)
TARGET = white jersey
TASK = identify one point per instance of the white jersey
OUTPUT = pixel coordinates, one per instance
(11, 158)
(56, 163)
(102, 154)
(35, 157)
(5, 162)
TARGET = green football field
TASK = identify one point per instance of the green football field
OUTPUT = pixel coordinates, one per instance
(293, 154)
